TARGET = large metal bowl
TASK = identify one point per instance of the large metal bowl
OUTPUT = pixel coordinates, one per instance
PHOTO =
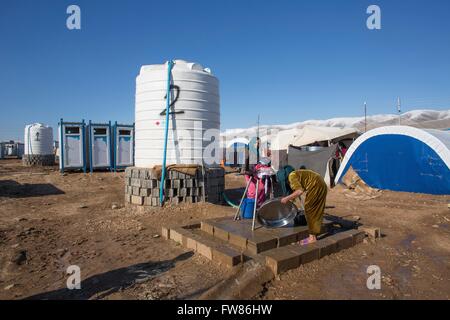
(274, 214)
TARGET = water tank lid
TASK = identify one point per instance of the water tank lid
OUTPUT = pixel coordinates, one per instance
(179, 65)
(37, 124)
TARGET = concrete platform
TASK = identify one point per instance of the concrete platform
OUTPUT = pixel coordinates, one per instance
(230, 242)
(239, 233)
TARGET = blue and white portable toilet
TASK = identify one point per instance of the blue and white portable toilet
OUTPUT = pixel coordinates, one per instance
(72, 142)
(99, 142)
(123, 145)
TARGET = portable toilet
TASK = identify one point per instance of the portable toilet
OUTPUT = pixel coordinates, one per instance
(99, 142)
(2, 150)
(123, 146)
(72, 142)
(20, 149)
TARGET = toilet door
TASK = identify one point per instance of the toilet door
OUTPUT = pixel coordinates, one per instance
(100, 147)
(73, 153)
(124, 147)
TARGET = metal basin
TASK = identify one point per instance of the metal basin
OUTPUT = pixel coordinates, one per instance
(274, 214)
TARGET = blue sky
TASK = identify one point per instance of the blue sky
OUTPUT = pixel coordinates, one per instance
(286, 60)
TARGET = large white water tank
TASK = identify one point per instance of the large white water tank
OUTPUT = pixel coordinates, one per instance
(196, 108)
(38, 139)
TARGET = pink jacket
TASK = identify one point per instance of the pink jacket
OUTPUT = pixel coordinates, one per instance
(251, 192)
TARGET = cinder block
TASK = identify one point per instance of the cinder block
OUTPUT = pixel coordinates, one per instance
(226, 256)
(135, 173)
(136, 191)
(205, 249)
(136, 182)
(127, 198)
(145, 192)
(237, 240)
(188, 183)
(256, 246)
(179, 235)
(287, 240)
(147, 201)
(128, 171)
(221, 234)
(191, 243)
(206, 227)
(176, 184)
(357, 235)
(165, 232)
(149, 184)
(182, 192)
(372, 232)
(195, 192)
(326, 247)
(137, 200)
(306, 253)
(155, 202)
(172, 193)
(344, 240)
(281, 260)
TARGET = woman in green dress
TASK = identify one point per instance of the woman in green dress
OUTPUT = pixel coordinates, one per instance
(309, 182)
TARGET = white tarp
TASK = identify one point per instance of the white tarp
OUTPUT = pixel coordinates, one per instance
(309, 134)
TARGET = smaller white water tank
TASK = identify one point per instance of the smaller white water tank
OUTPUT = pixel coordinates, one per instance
(38, 139)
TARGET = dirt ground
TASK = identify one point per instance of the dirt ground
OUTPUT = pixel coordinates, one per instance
(49, 221)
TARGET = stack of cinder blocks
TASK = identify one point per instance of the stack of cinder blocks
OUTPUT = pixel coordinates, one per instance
(142, 186)
(38, 160)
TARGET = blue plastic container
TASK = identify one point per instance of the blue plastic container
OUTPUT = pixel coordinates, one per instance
(247, 208)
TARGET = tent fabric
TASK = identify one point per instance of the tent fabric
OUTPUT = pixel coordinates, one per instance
(313, 160)
(309, 134)
(401, 158)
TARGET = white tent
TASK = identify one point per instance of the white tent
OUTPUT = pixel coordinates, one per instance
(311, 134)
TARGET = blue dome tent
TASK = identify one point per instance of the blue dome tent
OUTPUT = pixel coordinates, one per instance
(401, 158)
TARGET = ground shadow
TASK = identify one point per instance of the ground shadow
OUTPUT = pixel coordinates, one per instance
(13, 189)
(102, 285)
(344, 223)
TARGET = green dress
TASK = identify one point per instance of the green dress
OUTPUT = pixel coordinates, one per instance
(316, 193)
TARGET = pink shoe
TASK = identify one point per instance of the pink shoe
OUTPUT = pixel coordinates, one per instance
(306, 241)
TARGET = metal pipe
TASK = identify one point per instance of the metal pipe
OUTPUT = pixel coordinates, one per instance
(83, 144)
(242, 199)
(61, 146)
(90, 146)
(111, 150)
(256, 204)
(166, 133)
(115, 147)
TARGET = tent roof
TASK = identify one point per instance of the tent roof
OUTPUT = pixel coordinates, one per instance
(309, 134)
(437, 140)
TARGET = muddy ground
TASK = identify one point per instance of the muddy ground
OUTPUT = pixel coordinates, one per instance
(49, 221)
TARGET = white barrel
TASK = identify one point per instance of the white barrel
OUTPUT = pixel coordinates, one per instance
(195, 93)
(38, 139)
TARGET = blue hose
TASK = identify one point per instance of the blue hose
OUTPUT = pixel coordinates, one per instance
(166, 133)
